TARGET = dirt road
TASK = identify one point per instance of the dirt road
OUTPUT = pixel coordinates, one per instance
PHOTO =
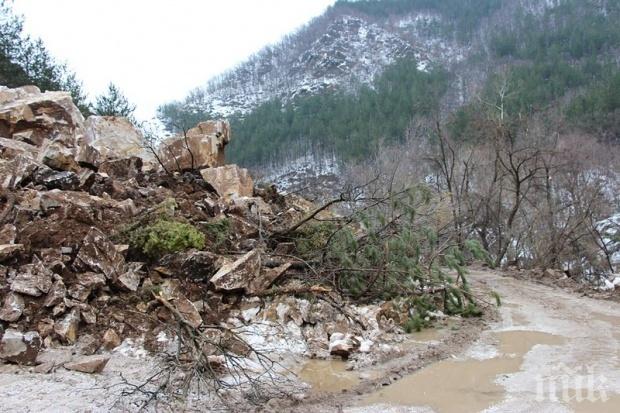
(551, 351)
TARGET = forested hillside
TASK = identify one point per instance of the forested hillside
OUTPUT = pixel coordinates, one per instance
(537, 56)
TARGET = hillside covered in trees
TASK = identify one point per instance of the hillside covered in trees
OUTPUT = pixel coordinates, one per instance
(559, 56)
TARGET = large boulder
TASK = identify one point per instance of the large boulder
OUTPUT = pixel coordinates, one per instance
(28, 115)
(201, 147)
(112, 138)
(229, 181)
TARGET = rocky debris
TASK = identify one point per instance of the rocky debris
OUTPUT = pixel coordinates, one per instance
(88, 364)
(87, 345)
(99, 254)
(229, 181)
(12, 308)
(8, 251)
(267, 277)
(111, 340)
(200, 147)
(8, 234)
(238, 274)
(67, 328)
(73, 270)
(18, 347)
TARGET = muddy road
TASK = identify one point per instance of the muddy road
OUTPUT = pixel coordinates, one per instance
(550, 351)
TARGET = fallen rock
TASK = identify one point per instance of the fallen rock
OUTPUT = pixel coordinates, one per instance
(266, 278)
(65, 180)
(87, 345)
(8, 234)
(111, 340)
(113, 138)
(202, 147)
(59, 157)
(187, 309)
(124, 168)
(56, 294)
(12, 308)
(8, 251)
(32, 279)
(16, 171)
(237, 275)
(343, 345)
(229, 181)
(45, 368)
(98, 254)
(18, 347)
(130, 280)
(88, 364)
(67, 328)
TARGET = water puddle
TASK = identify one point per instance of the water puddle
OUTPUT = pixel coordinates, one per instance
(463, 386)
(329, 376)
(426, 335)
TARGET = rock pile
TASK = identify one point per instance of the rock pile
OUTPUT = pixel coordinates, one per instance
(78, 268)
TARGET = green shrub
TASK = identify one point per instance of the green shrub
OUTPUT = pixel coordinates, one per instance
(164, 237)
(218, 231)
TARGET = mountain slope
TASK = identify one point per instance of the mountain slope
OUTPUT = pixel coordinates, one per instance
(288, 99)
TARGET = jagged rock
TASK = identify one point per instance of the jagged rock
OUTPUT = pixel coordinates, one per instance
(45, 327)
(237, 275)
(10, 148)
(32, 279)
(187, 309)
(12, 308)
(16, 171)
(67, 328)
(8, 234)
(113, 138)
(91, 280)
(87, 345)
(59, 157)
(206, 144)
(8, 251)
(130, 280)
(18, 347)
(266, 278)
(98, 254)
(111, 340)
(44, 114)
(56, 294)
(229, 181)
(124, 168)
(88, 364)
(65, 180)
(79, 292)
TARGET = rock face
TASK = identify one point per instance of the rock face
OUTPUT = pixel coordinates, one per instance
(202, 147)
(229, 181)
(18, 347)
(114, 138)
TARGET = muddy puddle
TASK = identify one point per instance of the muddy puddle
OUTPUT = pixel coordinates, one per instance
(329, 376)
(462, 386)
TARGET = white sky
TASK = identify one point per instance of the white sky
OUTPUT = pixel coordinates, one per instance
(157, 50)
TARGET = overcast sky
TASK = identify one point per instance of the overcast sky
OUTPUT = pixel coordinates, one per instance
(157, 50)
